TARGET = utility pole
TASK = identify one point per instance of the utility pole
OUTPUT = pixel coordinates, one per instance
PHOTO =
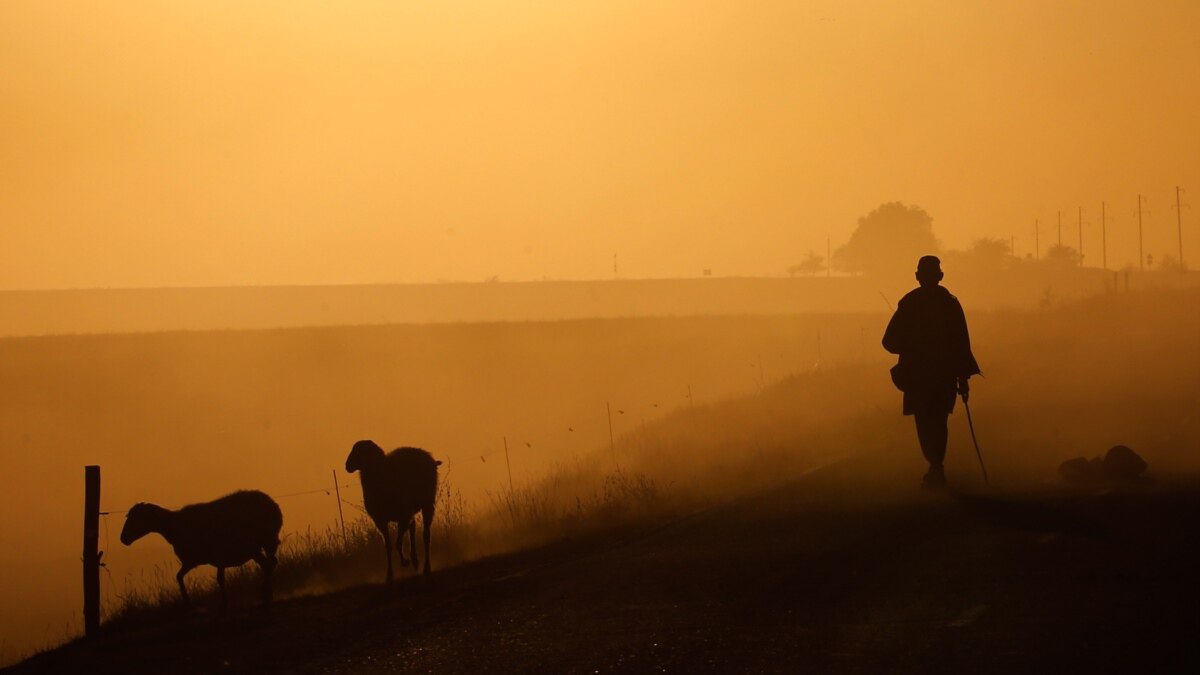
(828, 257)
(1060, 228)
(1037, 240)
(614, 265)
(1179, 224)
(1141, 253)
(1081, 236)
(1103, 238)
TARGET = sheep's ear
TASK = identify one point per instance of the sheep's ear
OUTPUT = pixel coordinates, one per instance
(437, 462)
(366, 444)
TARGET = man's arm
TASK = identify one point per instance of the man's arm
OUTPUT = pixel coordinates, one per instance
(895, 337)
(966, 366)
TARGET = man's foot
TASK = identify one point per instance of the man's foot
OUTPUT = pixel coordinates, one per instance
(935, 478)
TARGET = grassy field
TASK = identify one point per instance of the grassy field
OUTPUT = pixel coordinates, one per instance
(98, 311)
(175, 418)
(181, 417)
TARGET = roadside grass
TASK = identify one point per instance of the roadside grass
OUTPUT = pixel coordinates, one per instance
(568, 503)
(685, 461)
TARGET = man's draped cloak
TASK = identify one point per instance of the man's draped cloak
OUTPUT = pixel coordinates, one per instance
(929, 332)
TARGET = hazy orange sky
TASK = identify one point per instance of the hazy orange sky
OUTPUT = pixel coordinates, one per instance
(212, 143)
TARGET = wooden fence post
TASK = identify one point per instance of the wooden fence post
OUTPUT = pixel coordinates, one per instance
(337, 492)
(612, 444)
(91, 554)
(509, 465)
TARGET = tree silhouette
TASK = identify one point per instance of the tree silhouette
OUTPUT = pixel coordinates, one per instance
(988, 248)
(888, 241)
(1061, 255)
(1170, 263)
(988, 254)
(812, 264)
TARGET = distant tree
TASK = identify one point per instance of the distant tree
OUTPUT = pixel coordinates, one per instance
(988, 248)
(1061, 255)
(1170, 263)
(888, 241)
(812, 264)
(985, 254)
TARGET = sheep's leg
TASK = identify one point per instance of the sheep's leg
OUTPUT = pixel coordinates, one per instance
(426, 522)
(267, 562)
(183, 570)
(221, 586)
(400, 529)
(387, 547)
(412, 542)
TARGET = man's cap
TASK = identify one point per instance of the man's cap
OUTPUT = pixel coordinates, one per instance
(929, 263)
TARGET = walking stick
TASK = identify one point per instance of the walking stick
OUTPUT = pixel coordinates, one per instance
(978, 454)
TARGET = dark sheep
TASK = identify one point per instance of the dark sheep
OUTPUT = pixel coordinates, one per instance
(395, 487)
(225, 532)
(1120, 466)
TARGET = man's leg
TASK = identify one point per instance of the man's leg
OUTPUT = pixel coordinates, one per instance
(932, 433)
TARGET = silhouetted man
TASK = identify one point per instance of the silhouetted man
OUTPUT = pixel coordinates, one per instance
(929, 332)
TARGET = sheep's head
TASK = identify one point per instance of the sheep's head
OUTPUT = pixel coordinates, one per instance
(142, 519)
(362, 455)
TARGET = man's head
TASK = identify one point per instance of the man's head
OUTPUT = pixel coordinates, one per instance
(929, 270)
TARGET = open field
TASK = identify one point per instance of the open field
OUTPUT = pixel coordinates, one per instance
(59, 312)
(1062, 383)
(278, 410)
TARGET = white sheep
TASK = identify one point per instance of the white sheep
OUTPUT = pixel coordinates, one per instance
(395, 487)
(225, 532)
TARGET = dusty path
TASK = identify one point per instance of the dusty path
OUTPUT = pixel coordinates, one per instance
(844, 570)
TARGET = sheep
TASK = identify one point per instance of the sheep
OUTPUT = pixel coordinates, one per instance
(395, 486)
(225, 532)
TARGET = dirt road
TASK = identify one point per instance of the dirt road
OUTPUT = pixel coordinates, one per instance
(848, 569)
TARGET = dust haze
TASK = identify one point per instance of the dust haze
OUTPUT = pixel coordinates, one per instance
(583, 253)
(707, 407)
